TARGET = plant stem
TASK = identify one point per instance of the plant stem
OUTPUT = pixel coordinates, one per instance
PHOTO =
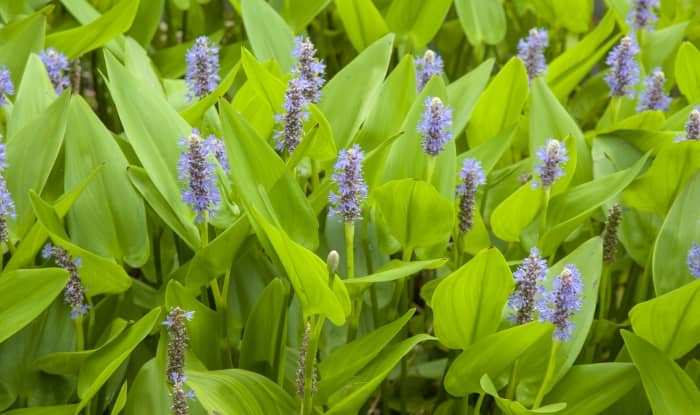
(430, 168)
(513, 380)
(350, 249)
(548, 375)
(307, 404)
(477, 407)
(79, 334)
(403, 386)
(545, 208)
(615, 103)
(605, 290)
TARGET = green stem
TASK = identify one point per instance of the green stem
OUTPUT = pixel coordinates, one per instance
(477, 408)
(545, 208)
(314, 175)
(513, 380)
(430, 168)
(548, 375)
(615, 103)
(79, 334)
(605, 289)
(350, 249)
(307, 404)
(403, 385)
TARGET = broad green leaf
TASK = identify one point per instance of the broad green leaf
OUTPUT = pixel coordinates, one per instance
(362, 21)
(99, 275)
(36, 237)
(264, 338)
(146, 22)
(660, 45)
(345, 105)
(509, 407)
(29, 168)
(21, 38)
(340, 367)
(185, 230)
(120, 401)
(407, 159)
(549, 119)
(656, 189)
(194, 113)
(499, 107)
(418, 22)
(489, 152)
(670, 321)
(467, 304)
(301, 12)
(26, 294)
(350, 398)
(493, 355)
(268, 33)
(567, 70)
(105, 361)
(417, 215)
(153, 129)
(76, 42)
(569, 209)
(110, 218)
(688, 79)
(236, 391)
(138, 63)
(589, 389)
(46, 410)
(669, 389)
(464, 92)
(34, 96)
(308, 275)
(259, 168)
(517, 211)
(85, 13)
(149, 392)
(482, 21)
(263, 80)
(391, 271)
(677, 235)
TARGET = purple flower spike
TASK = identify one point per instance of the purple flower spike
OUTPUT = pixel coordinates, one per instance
(694, 260)
(435, 126)
(654, 97)
(74, 294)
(177, 343)
(7, 205)
(692, 127)
(471, 177)
(202, 68)
(531, 52)
(56, 65)
(426, 67)
(624, 70)
(642, 16)
(292, 120)
(563, 302)
(6, 85)
(197, 172)
(552, 158)
(352, 190)
(308, 68)
(528, 283)
(220, 153)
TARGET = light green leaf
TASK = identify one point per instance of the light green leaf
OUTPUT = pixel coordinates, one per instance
(21, 38)
(514, 407)
(467, 304)
(363, 23)
(517, 211)
(464, 92)
(687, 77)
(269, 35)
(417, 22)
(482, 21)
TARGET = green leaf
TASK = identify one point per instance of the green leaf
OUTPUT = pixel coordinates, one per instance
(517, 211)
(100, 275)
(76, 42)
(259, 168)
(499, 107)
(482, 21)
(656, 189)
(409, 206)
(670, 321)
(149, 392)
(669, 389)
(345, 105)
(567, 70)
(677, 235)
(146, 22)
(264, 338)
(391, 271)
(29, 168)
(687, 77)
(352, 396)
(194, 113)
(514, 407)
(46, 410)
(110, 218)
(100, 366)
(34, 96)
(268, 33)
(467, 304)
(660, 45)
(493, 355)
(464, 92)
(362, 21)
(589, 389)
(340, 367)
(26, 294)
(417, 22)
(549, 119)
(235, 391)
(120, 402)
(20, 39)
(308, 274)
(301, 12)
(568, 210)
(185, 230)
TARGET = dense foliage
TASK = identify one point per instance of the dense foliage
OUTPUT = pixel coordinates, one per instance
(350, 207)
